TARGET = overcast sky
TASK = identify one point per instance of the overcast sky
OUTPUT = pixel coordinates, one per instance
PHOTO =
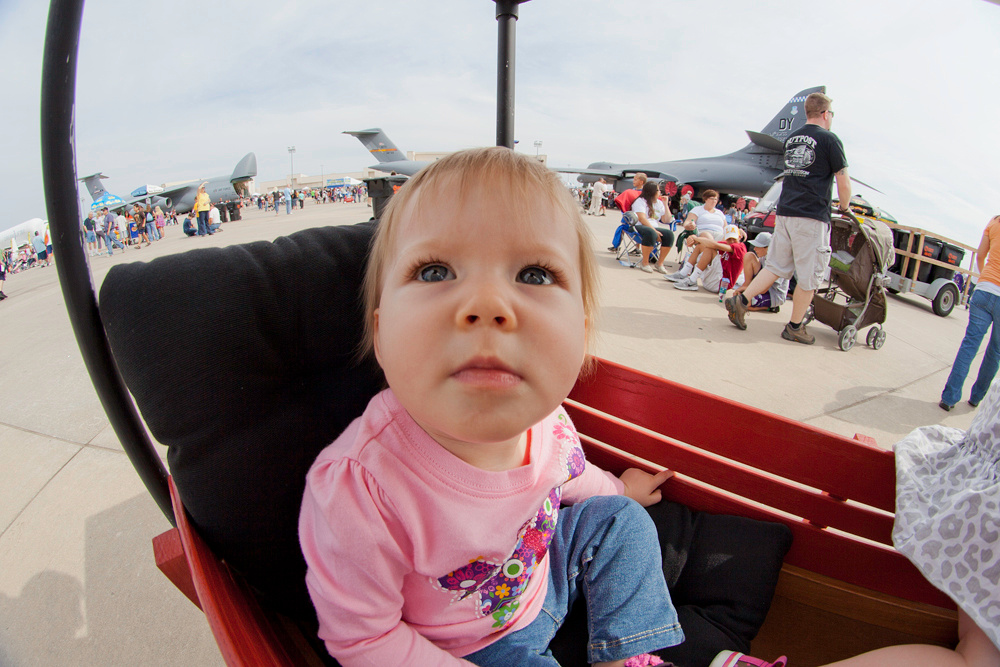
(183, 90)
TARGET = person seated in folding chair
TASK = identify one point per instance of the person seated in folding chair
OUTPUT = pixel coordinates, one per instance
(649, 208)
(624, 203)
(709, 223)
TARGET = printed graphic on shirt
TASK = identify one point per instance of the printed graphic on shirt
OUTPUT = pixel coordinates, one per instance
(800, 153)
(499, 585)
(575, 461)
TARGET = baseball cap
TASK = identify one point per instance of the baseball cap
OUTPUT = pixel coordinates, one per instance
(762, 240)
(732, 232)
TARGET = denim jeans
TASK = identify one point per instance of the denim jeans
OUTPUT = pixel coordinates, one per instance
(607, 548)
(203, 223)
(984, 311)
(113, 241)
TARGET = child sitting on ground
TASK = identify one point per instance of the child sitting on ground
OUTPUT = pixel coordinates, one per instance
(753, 262)
(432, 526)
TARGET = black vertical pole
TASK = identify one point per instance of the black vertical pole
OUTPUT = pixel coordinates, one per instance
(506, 21)
(62, 40)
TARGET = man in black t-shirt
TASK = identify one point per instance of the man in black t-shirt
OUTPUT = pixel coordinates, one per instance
(814, 157)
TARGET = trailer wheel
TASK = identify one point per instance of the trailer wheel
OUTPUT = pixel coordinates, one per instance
(876, 338)
(848, 336)
(945, 300)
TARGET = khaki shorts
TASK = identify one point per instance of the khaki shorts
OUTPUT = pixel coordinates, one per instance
(800, 246)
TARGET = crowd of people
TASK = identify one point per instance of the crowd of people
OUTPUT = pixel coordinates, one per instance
(290, 198)
(711, 240)
(105, 231)
(37, 252)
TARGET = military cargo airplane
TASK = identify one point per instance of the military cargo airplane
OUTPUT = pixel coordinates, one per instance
(748, 171)
(180, 197)
(390, 159)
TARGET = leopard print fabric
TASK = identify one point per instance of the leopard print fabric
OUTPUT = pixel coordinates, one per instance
(948, 510)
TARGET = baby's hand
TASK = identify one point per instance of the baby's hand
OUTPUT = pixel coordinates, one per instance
(642, 487)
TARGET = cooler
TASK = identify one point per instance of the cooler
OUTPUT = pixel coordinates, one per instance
(952, 255)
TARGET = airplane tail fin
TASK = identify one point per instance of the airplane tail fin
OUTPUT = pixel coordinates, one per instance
(379, 144)
(790, 119)
(245, 169)
(94, 185)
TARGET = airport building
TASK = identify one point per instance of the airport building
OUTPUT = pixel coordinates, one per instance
(312, 181)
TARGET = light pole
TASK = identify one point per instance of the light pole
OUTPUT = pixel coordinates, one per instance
(291, 163)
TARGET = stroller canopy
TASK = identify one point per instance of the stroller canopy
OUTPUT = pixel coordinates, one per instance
(880, 238)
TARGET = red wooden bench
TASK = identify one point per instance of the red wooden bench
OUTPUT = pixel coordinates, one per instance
(843, 589)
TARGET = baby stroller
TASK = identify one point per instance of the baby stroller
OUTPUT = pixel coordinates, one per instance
(855, 296)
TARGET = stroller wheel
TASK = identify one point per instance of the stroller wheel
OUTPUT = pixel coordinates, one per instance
(876, 338)
(848, 337)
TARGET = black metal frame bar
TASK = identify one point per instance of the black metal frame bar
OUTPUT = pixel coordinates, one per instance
(62, 43)
(506, 44)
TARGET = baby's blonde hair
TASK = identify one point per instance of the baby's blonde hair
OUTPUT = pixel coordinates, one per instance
(517, 178)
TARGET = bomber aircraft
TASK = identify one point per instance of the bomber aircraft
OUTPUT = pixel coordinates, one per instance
(749, 171)
(180, 197)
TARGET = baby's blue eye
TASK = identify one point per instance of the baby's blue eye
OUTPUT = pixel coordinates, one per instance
(535, 275)
(433, 273)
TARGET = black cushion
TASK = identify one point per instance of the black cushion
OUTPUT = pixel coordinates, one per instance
(721, 571)
(241, 360)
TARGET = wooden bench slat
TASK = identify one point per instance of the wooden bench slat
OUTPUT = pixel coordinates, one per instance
(762, 440)
(172, 561)
(835, 555)
(814, 505)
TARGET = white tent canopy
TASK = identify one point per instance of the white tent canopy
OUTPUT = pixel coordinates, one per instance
(346, 180)
(22, 233)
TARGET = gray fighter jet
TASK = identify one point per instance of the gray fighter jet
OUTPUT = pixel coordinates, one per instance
(749, 171)
(221, 189)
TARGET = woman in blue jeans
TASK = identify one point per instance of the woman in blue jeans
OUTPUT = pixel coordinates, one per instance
(984, 313)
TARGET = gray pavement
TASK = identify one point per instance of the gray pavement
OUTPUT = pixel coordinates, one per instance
(77, 580)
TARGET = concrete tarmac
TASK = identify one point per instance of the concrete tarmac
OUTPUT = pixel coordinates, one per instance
(78, 584)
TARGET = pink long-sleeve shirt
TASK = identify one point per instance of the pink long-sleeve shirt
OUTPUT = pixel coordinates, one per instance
(416, 557)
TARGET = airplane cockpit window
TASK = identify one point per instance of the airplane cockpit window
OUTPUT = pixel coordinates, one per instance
(770, 198)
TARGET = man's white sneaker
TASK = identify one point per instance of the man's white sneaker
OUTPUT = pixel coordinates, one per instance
(674, 277)
(687, 284)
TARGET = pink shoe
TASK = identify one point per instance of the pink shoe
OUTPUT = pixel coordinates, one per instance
(737, 659)
(644, 660)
